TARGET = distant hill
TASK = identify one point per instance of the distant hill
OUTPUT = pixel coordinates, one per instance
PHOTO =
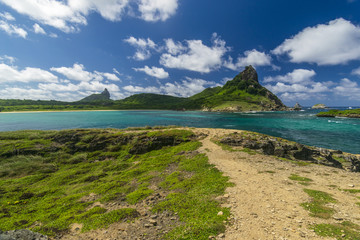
(151, 101)
(104, 96)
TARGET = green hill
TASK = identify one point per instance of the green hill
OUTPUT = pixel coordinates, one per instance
(151, 101)
(243, 93)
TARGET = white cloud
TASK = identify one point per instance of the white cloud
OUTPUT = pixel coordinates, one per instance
(78, 73)
(6, 58)
(24, 93)
(138, 89)
(11, 29)
(155, 10)
(38, 29)
(111, 10)
(154, 72)
(303, 76)
(298, 85)
(348, 88)
(252, 57)
(195, 56)
(53, 35)
(174, 48)
(143, 47)
(68, 16)
(337, 42)
(185, 88)
(9, 74)
(7, 16)
(356, 71)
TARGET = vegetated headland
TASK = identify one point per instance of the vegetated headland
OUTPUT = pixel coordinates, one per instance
(352, 113)
(174, 183)
(243, 93)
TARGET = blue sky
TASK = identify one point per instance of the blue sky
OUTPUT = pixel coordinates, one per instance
(304, 51)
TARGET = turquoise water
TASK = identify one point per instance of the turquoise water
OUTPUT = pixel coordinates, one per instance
(303, 127)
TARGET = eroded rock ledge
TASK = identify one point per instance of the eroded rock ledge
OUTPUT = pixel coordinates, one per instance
(291, 150)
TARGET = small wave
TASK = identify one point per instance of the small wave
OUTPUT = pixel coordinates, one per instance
(229, 125)
(330, 121)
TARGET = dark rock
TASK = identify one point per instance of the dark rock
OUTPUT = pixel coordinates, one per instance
(268, 148)
(303, 154)
(22, 234)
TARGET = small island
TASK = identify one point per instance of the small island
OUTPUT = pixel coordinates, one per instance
(353, 113)
(319, 106)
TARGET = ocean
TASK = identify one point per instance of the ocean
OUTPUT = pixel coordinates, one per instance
(303, 126)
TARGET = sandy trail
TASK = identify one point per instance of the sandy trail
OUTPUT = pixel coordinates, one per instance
(265, 203)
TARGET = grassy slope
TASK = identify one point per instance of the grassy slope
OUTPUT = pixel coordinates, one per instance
(354, 113)
(44, 174)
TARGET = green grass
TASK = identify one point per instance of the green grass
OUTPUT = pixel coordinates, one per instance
(43, 182)
(352, 190)
(295, 177)
(344, 230)
(317, 206)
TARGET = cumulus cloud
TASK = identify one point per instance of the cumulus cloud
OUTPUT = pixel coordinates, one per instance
(195, 56)
(336, 42)
(10, 74)
(154, 72)
(303, 76)
(7, 16)
(94, 86)
(143, 47)
(348, 88)
(12, 29)
(68, 16)
(298, 85)
(155, 10)
(186, 88)
(356, 71)
(78, 73)
(6, 58)
(25, 93)
(252, 57)
(139, 89)
(38, 29)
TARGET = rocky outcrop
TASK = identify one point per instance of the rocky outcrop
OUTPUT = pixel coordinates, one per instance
(21, 234)
(292, 151)
(319, 106)
(297, 107)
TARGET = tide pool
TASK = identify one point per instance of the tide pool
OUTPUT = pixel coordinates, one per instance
(303, 127)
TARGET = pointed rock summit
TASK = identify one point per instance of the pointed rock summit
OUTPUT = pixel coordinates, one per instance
(249, 74)
(106, 93)
(104, 96)
(243, 93)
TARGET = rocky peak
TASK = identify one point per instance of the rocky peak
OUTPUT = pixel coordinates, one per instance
(106, 93)
(249, 74)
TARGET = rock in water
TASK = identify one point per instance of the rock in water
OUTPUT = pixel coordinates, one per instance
(319, 106)
(297, 107)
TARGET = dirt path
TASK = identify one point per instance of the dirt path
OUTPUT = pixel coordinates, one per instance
(265, 203)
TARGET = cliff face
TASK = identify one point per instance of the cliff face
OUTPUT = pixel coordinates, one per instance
(243, 93)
